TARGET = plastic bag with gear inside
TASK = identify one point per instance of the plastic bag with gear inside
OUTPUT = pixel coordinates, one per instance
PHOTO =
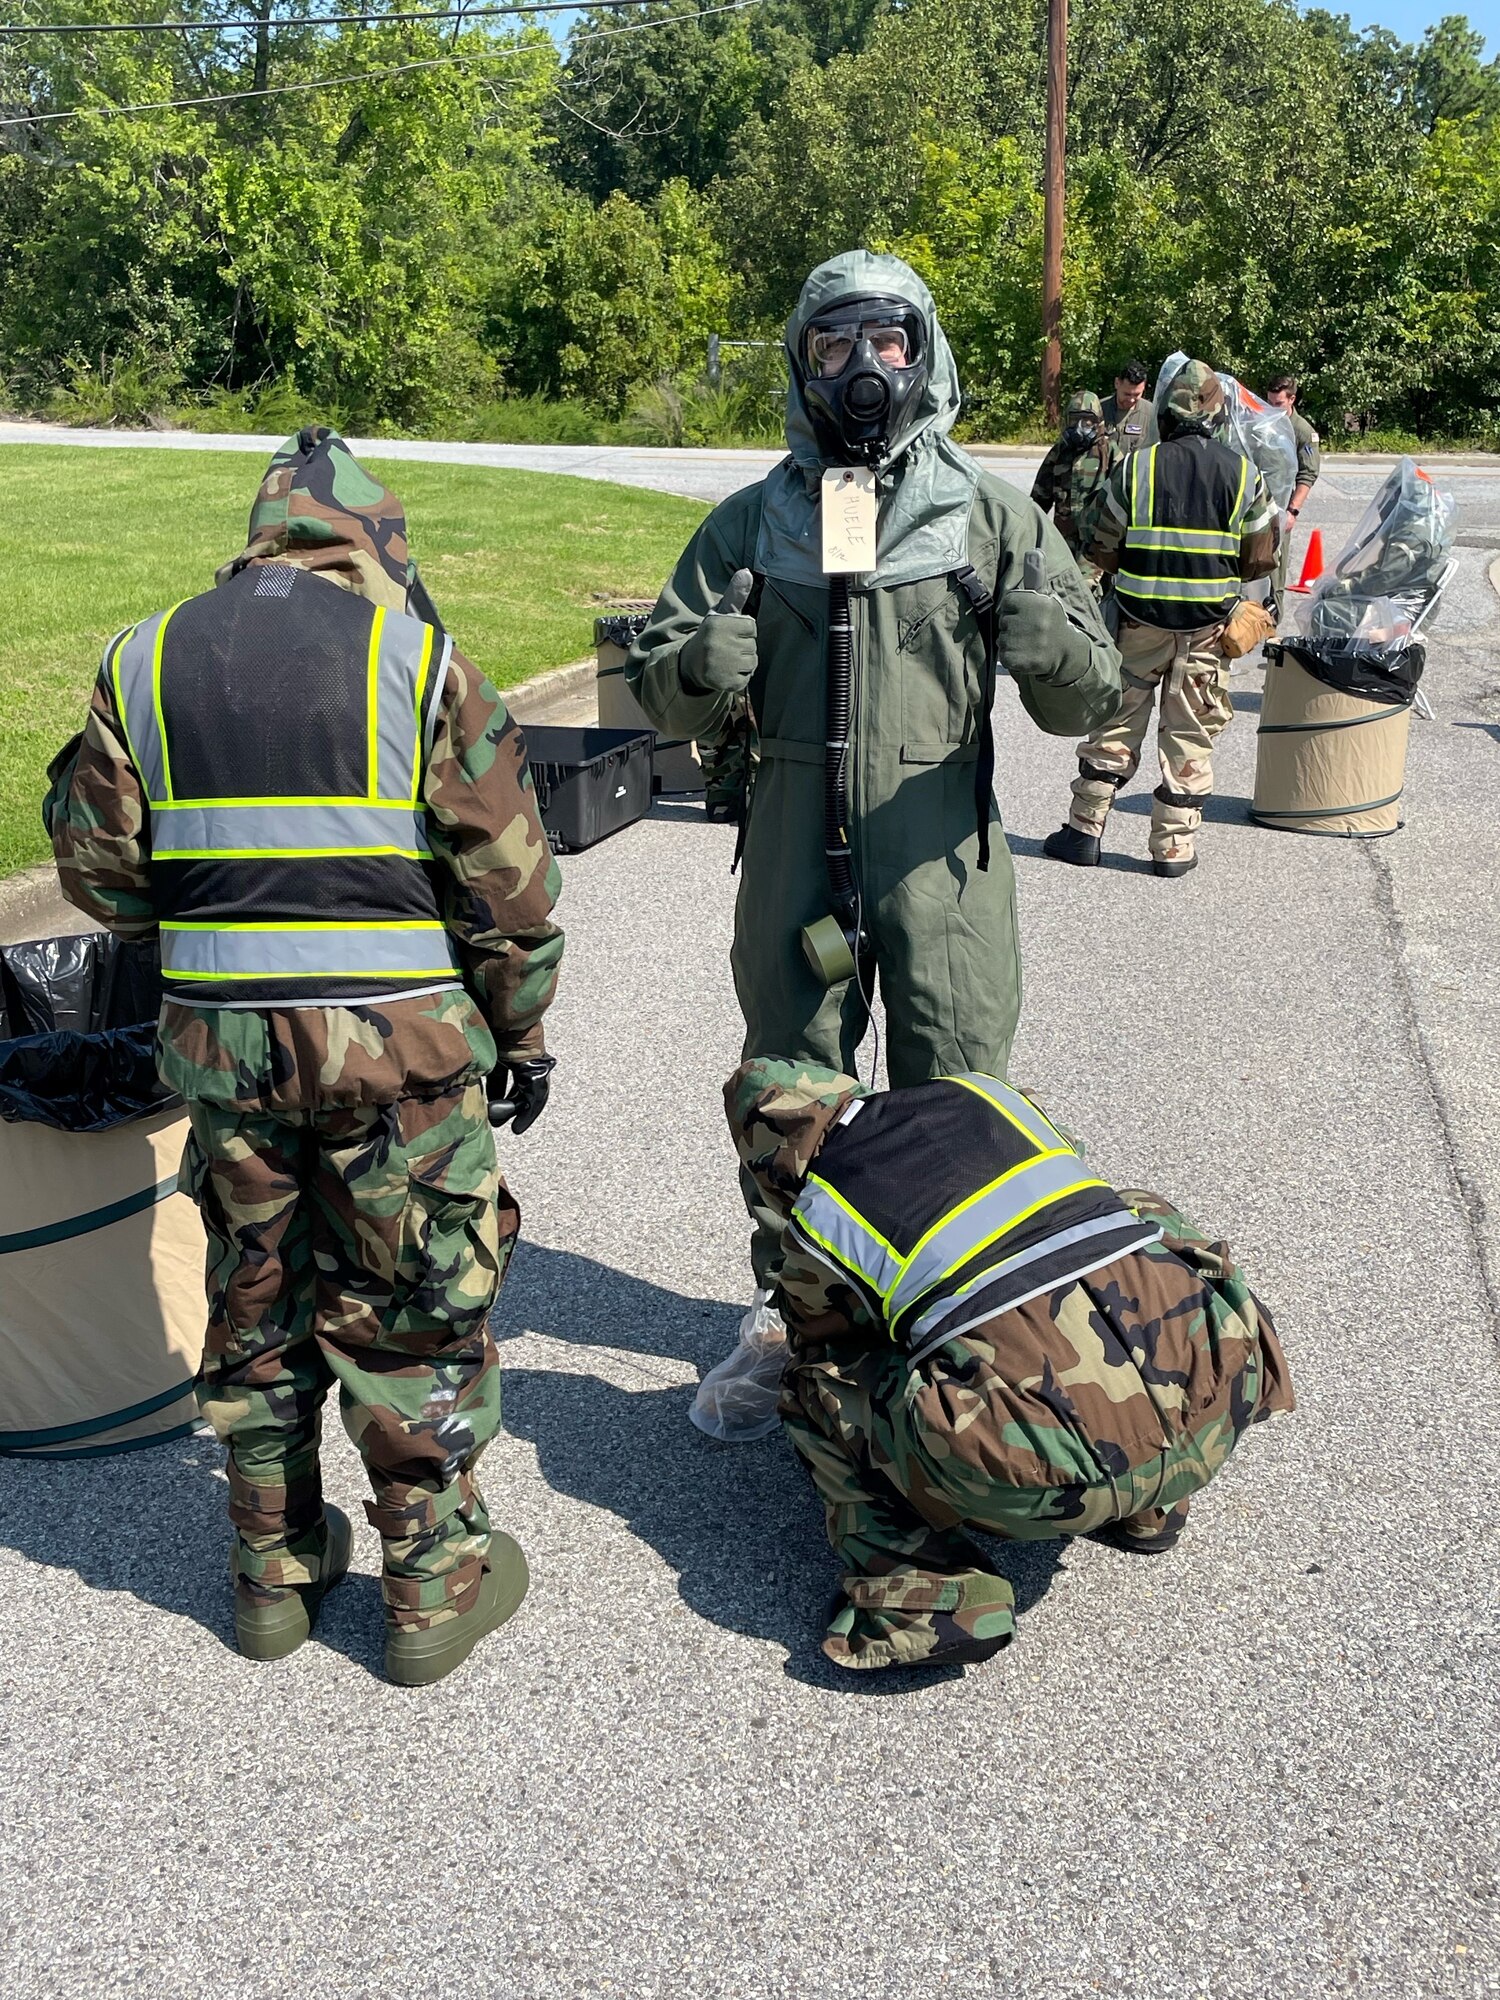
(1389, 570)
(1258, 429)
(736, 1400)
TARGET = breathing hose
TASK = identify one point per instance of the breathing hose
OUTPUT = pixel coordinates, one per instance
(831, 945)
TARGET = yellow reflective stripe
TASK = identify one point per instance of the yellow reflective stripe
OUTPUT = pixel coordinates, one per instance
(372, 714)
(355, 924)
(854, 1216)
(448, 972)
(292, 799)
(1151, 496)
(1004, 1111)
(1237, 512)
(416, 754)
(120, 713)
(1011, 1221)
(279, 854)
(161, 720)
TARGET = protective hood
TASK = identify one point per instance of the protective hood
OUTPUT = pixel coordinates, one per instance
(926, 483)
(319, 509)
(779, 1115)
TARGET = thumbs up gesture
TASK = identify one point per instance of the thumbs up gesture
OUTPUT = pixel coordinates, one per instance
(721, 657)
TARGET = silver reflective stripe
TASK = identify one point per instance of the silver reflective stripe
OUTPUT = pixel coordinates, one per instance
(832, 1227)
(403, 662)
(134, 674)
(405, 950)
(1149, 1233)
(442, 659)
(997, 1274)
(226, 830)
(1006, 1202)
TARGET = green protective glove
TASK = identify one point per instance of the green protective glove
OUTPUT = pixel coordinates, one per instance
(1034, 635)
(722, 655)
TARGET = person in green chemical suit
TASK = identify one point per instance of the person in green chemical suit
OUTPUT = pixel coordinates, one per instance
(872, 383)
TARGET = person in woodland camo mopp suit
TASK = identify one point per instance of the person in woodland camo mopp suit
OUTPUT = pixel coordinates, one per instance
(983, 1335)
(325, 813)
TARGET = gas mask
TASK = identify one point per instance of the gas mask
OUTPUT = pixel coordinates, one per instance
(862, 368)
(1080, 434)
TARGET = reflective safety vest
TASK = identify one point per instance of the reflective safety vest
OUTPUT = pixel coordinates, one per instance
(280, 728)
(1181, 564)
(953, 1201)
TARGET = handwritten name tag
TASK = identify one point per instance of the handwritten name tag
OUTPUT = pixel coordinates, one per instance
(849, 510)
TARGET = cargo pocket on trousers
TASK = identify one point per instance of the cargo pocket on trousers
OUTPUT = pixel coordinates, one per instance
(447, 1264)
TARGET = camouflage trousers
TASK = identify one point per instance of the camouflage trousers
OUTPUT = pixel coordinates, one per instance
(901, 1485)
(1189, 670)
(361, 1246)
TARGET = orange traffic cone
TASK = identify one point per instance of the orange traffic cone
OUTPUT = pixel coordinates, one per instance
(1312, 562)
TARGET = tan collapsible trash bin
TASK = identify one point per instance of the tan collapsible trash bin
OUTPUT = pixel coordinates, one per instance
(1327, 762)
(101, 1287)
(675, 766)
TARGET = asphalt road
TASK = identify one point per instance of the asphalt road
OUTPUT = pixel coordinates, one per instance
(1265, 1764)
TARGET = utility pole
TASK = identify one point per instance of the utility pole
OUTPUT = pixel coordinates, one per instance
(1052, 231)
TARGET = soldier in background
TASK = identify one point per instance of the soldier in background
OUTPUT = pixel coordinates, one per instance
(326, 814)
(1184, 523)
(984, 1336)
(1130, 414)
(1070, 483)
(1282, 391)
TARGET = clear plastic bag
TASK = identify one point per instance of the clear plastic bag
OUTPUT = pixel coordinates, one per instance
(736, 1400)
(1389, 571)
(1261, 431)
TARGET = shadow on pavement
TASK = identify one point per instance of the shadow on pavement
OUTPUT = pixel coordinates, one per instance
(1219, 808)
(738, 1524)
(150, 1522)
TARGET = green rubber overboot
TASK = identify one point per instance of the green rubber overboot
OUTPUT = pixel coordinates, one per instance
(271, 1631)
(415, 1657)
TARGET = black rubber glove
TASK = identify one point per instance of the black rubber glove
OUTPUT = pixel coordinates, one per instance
(1034, 635)
(721, 657)
(518, 1091)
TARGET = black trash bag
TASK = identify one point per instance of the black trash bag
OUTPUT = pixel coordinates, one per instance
(78, 1032)
(1389, 677)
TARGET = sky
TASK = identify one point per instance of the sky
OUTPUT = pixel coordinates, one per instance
(1410, 19)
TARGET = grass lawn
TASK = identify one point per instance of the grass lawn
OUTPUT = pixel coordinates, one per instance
(90, 540)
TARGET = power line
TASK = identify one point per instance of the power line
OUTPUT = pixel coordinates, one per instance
(367, 19)
(360, 76)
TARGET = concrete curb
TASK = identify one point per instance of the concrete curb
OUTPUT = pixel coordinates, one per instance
(544, 690)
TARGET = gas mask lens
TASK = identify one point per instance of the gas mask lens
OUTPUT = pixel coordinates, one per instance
(829, 347)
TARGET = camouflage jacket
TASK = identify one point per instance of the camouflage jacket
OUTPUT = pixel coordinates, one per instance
(1070, 486)
(1012, 1396)
(497, 880)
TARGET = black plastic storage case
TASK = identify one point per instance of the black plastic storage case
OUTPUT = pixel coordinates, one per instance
(589, 782)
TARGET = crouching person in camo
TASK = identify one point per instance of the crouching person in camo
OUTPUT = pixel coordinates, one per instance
(325, 813)
(985, 1335)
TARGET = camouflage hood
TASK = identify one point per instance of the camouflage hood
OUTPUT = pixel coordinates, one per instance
(1195, 401)
(926, 483)
(1084, 404)
(779, 1115)
(318, 508)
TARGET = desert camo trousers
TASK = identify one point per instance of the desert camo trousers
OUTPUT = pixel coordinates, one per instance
(361, 1248)
(1190, 670)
